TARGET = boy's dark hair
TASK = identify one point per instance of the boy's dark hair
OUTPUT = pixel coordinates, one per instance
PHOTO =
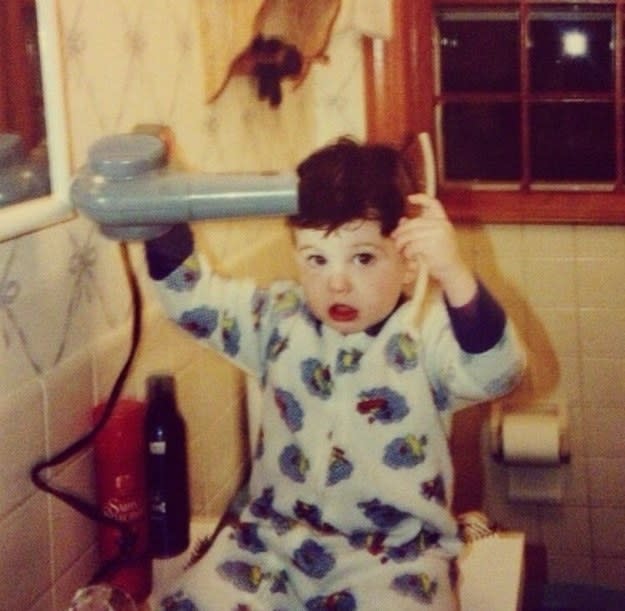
(347, 181)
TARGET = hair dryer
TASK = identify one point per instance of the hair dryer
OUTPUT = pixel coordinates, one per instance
(128, 189)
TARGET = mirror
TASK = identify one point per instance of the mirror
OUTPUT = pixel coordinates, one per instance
(19, 218)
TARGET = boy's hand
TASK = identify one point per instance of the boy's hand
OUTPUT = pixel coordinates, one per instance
(429, 237)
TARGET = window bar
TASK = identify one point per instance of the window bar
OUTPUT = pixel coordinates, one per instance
(619, 100)
(524, 43)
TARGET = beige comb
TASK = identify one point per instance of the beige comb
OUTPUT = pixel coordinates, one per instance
(429, 174)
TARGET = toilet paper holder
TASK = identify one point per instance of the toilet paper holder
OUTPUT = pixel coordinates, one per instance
(497, 414)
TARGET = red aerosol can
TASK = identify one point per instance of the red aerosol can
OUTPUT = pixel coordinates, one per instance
(121, 491)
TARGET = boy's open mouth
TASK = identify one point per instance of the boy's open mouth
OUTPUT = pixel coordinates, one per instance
(342, 313)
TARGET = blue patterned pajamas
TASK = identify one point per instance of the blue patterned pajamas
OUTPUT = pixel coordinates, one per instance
(351, 476)
(253, 567)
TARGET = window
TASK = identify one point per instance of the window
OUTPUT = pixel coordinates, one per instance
(524, 99)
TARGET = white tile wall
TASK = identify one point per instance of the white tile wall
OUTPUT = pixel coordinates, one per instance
(571, 282)
(23, 441)
(69, 398)
(26, 566)
(73, 536)
(603, 382)
(64, 309)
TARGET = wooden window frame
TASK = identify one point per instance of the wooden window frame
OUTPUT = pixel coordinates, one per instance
(400, 93)
(21, 101)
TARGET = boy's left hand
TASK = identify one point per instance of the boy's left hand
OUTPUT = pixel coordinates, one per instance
(429, 237)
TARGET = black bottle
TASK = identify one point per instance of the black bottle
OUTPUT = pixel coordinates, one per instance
(167, 472)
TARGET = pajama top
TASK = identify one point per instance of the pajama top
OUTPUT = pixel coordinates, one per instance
(353, 436)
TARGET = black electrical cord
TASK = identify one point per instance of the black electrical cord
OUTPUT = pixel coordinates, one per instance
(94, 512)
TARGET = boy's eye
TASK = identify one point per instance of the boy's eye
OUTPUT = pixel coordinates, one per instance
(316, 260)
(364, 258)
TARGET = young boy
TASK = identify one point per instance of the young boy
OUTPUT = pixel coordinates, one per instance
(351, 477)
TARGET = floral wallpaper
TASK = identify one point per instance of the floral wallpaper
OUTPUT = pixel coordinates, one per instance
(127, 63)
(82, 289)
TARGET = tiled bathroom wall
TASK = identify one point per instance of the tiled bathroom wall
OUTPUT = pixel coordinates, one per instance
(563, 286)
(65, 308)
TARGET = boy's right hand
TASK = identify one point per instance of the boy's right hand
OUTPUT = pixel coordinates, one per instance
(430, 238)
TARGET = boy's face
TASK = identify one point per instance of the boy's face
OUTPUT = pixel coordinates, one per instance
(352, 277)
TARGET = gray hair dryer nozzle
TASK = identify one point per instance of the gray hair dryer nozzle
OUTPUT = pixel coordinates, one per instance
(127, 188)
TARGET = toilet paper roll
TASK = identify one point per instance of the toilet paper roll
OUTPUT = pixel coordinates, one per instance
(531, 439)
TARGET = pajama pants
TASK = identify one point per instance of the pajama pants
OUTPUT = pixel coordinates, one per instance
(252, 567)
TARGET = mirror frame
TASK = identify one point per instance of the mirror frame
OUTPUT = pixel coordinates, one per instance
(25, 217)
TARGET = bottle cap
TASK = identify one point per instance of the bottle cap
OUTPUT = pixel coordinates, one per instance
(161, 384)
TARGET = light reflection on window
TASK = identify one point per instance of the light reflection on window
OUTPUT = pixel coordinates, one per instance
(574, 44)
